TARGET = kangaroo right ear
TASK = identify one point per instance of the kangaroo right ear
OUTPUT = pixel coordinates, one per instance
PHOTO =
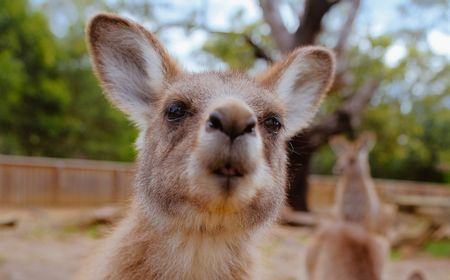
(131, 64)
(339, 144)
(366, 141)
(301, 80)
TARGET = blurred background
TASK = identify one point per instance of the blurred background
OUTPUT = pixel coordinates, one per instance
(47, 86)
(393, 78)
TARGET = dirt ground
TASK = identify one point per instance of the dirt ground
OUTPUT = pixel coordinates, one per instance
(50, 244)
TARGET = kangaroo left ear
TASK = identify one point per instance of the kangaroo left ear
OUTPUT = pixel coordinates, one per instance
(130, 63)
(301, 80)
(340, 145)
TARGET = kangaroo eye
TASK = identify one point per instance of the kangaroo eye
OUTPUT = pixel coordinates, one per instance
(176, 111)
(272, 124)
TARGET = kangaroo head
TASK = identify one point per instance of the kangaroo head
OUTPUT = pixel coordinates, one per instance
(212, 145)
(352, 157)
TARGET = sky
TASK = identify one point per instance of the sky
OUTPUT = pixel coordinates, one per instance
(375, 18)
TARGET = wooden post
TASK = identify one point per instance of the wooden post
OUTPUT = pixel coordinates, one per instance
(115, 186)
(56, 184)
(6, 186)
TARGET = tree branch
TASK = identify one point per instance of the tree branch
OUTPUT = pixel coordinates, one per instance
(342, 64)
(303, 145)
(345, 118)
(272, 16)
(311, 22)
(175, 24)
(347, 27)
(258, 50)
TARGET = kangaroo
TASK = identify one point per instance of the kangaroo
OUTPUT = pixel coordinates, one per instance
(345, 251)
(356, 197)
(416, 275)
(211, 170)
(351, 247)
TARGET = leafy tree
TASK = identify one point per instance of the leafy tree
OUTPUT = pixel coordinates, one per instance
(35, 97)
(363, 78)
(99, 130)
(410, 116)
(51, 103)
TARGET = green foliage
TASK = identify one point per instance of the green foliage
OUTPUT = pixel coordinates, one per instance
(438, 248)
(412, 146)
(234, 48)
(410, 114)
(36, 97)
(51, 103)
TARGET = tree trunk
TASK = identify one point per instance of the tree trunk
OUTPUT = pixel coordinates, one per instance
(303, 146)
(300, 155)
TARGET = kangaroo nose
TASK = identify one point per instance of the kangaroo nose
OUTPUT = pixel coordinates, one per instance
(232, 121)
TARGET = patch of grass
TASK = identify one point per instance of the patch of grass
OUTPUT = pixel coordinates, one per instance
(2, 259)
(37, 232)
(70, 229)
(269, 247)
(438, 248)
(302, 237)
(395, 255)
(94, 232)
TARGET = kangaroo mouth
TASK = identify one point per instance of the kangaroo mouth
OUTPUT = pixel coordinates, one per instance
(229, 171)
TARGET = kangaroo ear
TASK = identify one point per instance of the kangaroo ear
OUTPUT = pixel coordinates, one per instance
(301, 80)
(131, 64)
(339, 144)
(366, 142)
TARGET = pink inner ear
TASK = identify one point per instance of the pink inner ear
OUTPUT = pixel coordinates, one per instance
(340, 145)
(301, 80)
(130, 62)
(366, 141)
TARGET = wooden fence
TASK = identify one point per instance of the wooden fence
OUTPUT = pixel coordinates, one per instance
(30, 181)
(402, 193)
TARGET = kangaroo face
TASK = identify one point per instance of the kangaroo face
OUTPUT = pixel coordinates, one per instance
(212, 145)
(219, 147)
(352, 157)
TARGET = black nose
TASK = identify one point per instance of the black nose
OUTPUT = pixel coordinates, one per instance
(231, 124)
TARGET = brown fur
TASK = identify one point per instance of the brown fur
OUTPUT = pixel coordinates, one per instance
(269, 77)
(416, 275)
(187, 222)
(99, 31)
(356, 197)
(350, 247)
(345, 251)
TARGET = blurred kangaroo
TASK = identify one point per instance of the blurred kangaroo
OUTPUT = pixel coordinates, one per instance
(345, 251)
(416, 275)
(212, 160)
(350, 247)
(356, 197)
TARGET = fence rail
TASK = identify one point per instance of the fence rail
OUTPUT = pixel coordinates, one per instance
(405, 193)
(31, 181)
